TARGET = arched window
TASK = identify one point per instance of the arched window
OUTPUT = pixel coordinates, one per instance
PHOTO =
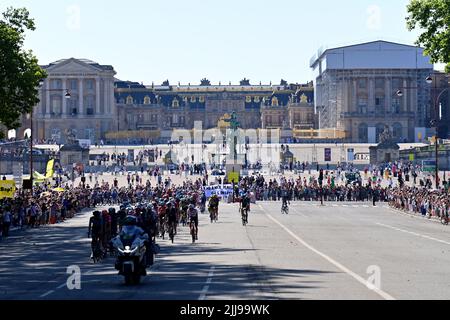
(175, 103)
(129, 100)
(397, 131)
(363, 133)
(146, 100)
(201, 99)
(248, 99)
(193, 99)
(275, 102)
(257, 99)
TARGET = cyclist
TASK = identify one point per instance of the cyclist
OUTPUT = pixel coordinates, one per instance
(96, 230)
(213, 205)
(245, 205)
(193, 218)
(171, 212)
(285, 201)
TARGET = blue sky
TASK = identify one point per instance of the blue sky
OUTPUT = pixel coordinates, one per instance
(187, 40)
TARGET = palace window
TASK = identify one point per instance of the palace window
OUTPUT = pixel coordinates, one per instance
(257, 99)
(56, 104)
(146, 100)
(362, 83)
(56, 84)
(362, 105)
(275, 102)
(379, 104)
(129, 100)
(90, 84)
(379, 83)
(201, 99)
(175, 103)
(73, 84)
(248, 99)
(395, 105)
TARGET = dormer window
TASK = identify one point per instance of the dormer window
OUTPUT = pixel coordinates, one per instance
(193, 100)
(129, 100)
(175, 103)
(146, 100)
(274, 102)
(201, 99)
(257, 99)
(248, 99)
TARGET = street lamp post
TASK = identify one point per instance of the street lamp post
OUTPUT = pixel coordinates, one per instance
(66, 96)
(434, 122)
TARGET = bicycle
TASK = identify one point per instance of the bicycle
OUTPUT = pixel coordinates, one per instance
(97, 253)
(244, 216)
(171, 232)
(193, 232)
(213, 214)
(285, 209)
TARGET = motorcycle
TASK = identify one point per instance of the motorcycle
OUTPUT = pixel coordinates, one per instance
(131, 256)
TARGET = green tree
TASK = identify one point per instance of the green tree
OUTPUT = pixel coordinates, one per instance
(433, 18)
(20, 72)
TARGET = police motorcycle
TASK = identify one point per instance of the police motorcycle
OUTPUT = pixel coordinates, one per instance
(131, 249)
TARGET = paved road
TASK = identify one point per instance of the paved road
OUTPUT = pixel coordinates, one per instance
(314, 252)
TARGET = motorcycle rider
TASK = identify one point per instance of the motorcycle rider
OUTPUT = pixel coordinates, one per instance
(131, 230)
(193, 218)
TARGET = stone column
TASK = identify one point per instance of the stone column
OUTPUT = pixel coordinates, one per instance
(355, 96)
(47, 98)
(64, 99)
(405, 106)
(97, 96)
(388, 94)
(80, 98)
(106, 106)
(371, 96)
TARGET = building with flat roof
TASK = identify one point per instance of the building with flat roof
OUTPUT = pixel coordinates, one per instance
(362, 88)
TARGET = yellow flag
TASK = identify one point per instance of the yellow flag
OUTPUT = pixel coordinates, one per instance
(49, 171)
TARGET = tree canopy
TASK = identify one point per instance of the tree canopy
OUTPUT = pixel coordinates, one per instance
(432, 17)
(20, 72)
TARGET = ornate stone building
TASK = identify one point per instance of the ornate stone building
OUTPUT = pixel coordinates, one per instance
(78, 95)
(171, 107)
(362, 88)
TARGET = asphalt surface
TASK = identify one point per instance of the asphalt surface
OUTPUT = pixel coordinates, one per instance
(334, 251)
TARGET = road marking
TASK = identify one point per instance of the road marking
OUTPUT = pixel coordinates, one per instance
(208, 282)
(380, 292)
(47, 293)
(62, 286)
(413, 233)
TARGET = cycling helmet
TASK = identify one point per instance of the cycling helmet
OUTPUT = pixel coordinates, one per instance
(130, 221)
(96, 213)
(191, 206)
